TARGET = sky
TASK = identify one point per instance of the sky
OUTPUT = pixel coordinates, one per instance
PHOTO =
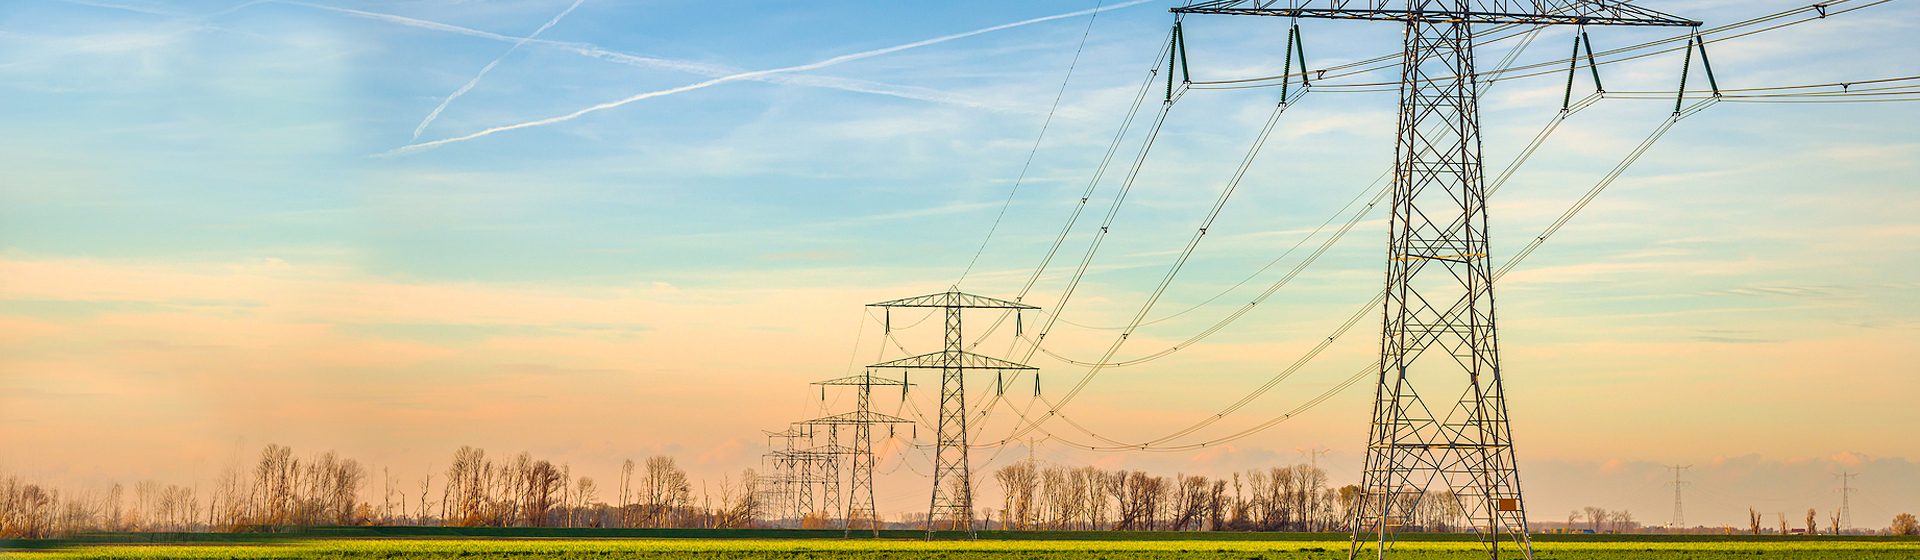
(602, 229)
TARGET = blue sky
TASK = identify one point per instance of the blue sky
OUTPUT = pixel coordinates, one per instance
(204, 203)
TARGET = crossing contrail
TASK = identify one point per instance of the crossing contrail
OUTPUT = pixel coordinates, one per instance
(410, 148)
(700, 68)
(483, 71)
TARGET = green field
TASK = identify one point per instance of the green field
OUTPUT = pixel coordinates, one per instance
(743, 549)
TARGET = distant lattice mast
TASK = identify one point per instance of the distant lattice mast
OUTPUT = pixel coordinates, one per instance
(1679, 516)
(860, 506)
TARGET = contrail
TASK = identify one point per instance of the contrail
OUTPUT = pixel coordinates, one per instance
(118, 7)
(483, 71)
(591, 50)
(410, 148)
(407, 21)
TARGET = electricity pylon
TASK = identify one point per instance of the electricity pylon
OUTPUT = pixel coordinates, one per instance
(1679, 518)
(950, 444)
(1439, 285)
(1846, 505)
(791, 473)
(862, 419)
(826, 463)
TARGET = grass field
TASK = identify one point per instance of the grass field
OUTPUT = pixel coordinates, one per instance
(754, 549)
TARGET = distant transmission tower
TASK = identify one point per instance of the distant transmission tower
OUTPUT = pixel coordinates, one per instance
(860, 483)
(1439, 287)
(1846, 507)
(1679, 517)
(791, 474)
(955, 503)
(826, 461)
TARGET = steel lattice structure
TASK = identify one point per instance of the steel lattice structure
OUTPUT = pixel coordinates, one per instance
(790, 484)
(1438, 321)
(860, 482)
(950, 444)
(826, 461)
(1679, 521)
(803, 471)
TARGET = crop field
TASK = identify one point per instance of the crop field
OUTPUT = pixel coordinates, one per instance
(533, 549)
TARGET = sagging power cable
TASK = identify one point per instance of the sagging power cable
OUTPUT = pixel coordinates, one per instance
(1565, 217)
(1057, 96)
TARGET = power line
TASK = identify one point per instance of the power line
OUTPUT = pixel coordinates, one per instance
(1091, 17)
(1538, 240)
(1506, 174)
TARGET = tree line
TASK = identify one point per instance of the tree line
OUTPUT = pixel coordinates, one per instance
(1290, 498)
(281, 489)
(520, 491)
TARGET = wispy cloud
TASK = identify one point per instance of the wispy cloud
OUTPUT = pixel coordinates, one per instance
(410, 148)
(489, 68)
(691, 67)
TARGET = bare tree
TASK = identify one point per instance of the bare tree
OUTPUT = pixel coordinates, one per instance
(1097, 504)
(1217, 506)
(664, 488)
(466, 487)
(584, 495)
(421, 509)
(626, 492)
(541, 483)
(1017, 485)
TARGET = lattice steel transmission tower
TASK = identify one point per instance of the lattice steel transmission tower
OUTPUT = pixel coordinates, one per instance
(792, 495)
(1439, 284)
(860, 482)
(950, 444)
(825, 460)
(1846, 505)
(1679, 517)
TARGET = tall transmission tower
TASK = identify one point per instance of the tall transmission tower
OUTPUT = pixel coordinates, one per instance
(1846, 507)
(955, 503)
(860, 482)
(1679, 517)
(1439, 282)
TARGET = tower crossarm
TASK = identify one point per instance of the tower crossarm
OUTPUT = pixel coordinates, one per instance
(862, 380)
(953, 298)
(1525, 12)
(790, 432)
(856, 417)
(827, 451)
(951, 358)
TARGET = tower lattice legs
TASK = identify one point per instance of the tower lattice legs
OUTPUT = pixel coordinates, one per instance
(1438, 327)
(952, 491)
